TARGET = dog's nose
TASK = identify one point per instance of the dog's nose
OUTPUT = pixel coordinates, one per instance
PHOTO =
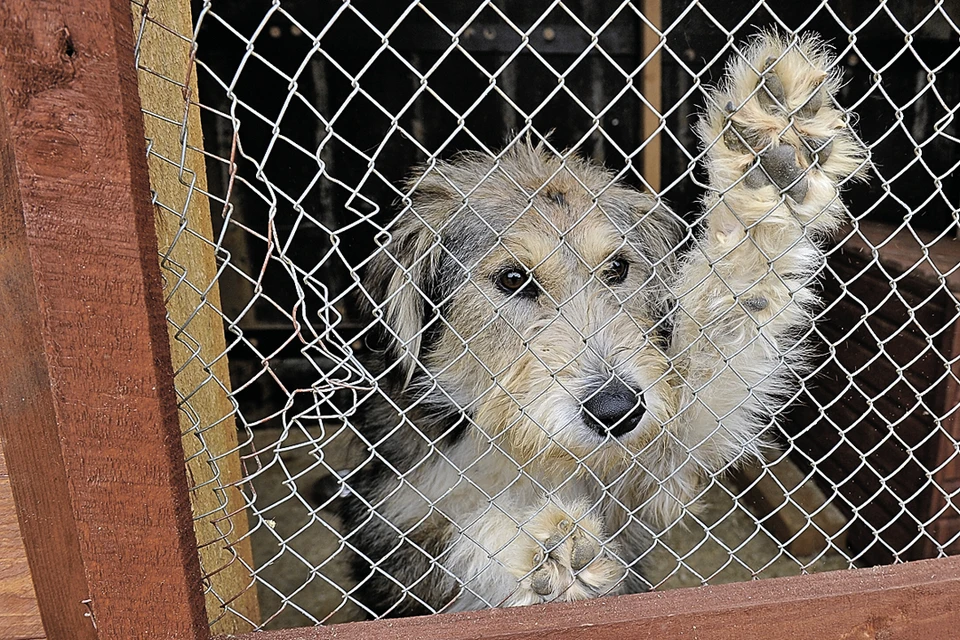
(615, 409)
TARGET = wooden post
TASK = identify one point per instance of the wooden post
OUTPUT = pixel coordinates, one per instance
(168, 94)
(87, 404)
(653, 92)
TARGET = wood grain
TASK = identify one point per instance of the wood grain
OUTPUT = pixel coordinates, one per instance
(167, 82)
(914, 601)
(28, 422)
(89, 420)
(19, 614)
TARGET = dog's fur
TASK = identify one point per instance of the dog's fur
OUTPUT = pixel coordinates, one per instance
(485, 484)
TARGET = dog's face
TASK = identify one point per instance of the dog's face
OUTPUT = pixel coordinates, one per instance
(531, 293)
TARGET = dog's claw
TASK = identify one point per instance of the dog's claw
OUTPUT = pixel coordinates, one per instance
(564, 527)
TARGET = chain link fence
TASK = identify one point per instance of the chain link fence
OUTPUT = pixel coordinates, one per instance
(398, 452)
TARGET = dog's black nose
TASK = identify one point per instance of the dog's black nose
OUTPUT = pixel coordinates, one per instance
(615, 409)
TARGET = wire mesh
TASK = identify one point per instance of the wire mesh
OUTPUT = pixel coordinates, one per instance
(355, 323)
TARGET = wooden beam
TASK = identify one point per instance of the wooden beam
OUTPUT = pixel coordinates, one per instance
(914, 601)
(27, 405)
(168, 94)
(652, 90)
(87, 407)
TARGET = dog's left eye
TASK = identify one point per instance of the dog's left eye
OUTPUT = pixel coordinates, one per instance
(516, 281)
(616, 271)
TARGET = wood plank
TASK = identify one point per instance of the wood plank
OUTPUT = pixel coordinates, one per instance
(652, 90)
(914, 601)
(927, 260)
(168, 83)
(89, 410)
(26, 403)
(19, 614)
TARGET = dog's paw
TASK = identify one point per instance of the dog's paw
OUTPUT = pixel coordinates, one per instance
(775, 135)
(559, 557)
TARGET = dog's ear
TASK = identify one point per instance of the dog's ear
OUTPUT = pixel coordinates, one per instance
(402, 274)
(659, 228)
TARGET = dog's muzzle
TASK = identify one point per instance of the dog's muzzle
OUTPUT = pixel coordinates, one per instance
(613, 409)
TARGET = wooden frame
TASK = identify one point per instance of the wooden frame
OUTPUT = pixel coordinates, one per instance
(88, 409)
(915, 601)
(89, 420)
(652, 86)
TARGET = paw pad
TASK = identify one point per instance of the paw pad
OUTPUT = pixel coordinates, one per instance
(817, 150)
(566, 561)
(778, 165)
(542, 581)
(783, 149)
(583, 553)
(773, 122)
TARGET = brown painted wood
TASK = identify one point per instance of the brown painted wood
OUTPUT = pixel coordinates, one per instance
(27, 405)
(914, 601)
(900, 249)
(88, 412)
(168, 91)
(19, 614)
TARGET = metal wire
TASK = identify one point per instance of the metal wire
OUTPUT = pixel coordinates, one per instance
(312, 116)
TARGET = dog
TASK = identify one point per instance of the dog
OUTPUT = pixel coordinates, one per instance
(559, 377)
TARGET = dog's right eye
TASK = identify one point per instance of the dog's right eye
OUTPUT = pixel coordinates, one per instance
(515, 280)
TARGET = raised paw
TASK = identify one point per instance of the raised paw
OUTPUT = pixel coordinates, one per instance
(774, 134)
(560, 557)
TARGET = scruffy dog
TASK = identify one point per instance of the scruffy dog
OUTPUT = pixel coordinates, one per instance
(559, 381)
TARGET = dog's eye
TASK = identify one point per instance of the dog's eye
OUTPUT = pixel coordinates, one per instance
(516, 280)
(616, 271)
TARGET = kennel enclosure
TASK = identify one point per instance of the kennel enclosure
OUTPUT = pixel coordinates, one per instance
(116, 366)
